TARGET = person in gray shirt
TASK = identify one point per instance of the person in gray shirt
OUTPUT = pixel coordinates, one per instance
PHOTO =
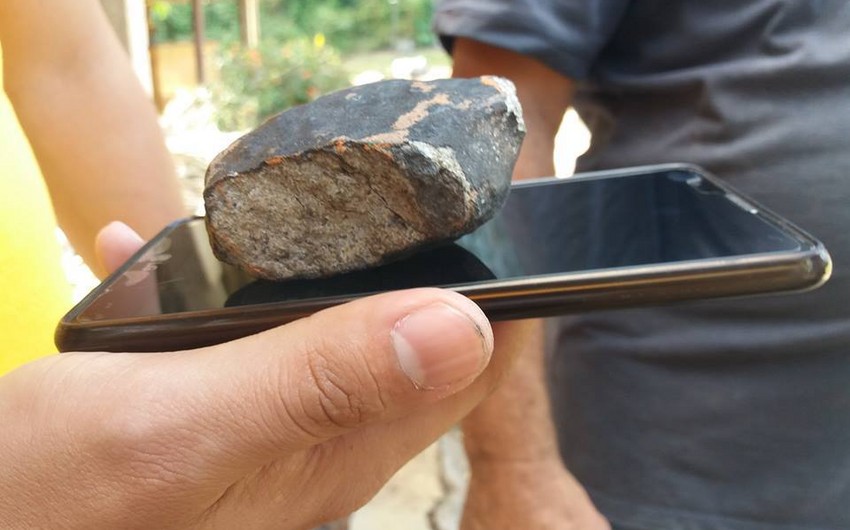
(731, 414)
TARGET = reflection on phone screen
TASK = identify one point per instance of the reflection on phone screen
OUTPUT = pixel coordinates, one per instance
(552, 228)
(445, 265)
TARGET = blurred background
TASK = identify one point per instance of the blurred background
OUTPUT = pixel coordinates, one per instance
(257, 57)
(217, 68)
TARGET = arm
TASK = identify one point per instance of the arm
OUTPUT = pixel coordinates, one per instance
(510, 438)
(545, 96)
(92, 127)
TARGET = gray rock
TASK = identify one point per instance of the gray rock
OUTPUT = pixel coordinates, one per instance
(364, 176)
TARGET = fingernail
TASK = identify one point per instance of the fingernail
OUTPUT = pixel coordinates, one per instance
(439, 345)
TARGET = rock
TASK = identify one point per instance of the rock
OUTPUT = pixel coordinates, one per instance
(364, 176)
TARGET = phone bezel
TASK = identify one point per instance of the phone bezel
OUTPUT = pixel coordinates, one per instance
(537, 296)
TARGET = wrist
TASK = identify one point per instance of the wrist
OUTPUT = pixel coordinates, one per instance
(496, 451)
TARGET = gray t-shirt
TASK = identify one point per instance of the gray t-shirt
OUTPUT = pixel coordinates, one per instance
(723, 414)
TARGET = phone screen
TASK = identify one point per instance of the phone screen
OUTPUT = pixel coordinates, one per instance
(551, 227)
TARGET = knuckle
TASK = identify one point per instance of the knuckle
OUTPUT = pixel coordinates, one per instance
(144, 442)
(341, 391)
(131, 435)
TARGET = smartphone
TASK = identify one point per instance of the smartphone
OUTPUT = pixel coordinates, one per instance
(604, 240)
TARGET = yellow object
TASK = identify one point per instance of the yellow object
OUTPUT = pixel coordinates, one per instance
(34, 292)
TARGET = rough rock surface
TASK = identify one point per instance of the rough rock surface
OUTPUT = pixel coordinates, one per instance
(364, 176)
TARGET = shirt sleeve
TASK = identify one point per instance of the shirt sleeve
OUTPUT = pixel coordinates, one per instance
(566, 35)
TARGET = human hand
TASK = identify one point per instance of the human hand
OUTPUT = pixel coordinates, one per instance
(284, 429)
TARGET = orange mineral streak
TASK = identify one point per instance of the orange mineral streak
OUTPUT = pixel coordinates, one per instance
(420, 111)
(422, 87)
(489, 80)
(394, 137)
(339, 146)
(380, 148)
(401, 127)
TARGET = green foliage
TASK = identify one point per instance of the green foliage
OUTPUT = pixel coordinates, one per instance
(256, 84)
(173, 21)
(349, 25)
(297, 59)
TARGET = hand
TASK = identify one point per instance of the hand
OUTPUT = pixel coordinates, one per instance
(114, 245)
(284, 429)
(533, 495)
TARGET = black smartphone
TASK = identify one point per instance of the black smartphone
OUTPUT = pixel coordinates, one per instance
(603, 240)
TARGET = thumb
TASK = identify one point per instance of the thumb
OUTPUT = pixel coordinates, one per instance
(369, 361)
(114, 245)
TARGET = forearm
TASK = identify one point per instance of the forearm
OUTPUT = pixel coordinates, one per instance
(92, 128)
(514, 423)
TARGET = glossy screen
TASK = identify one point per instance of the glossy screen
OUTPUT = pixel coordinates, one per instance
(552, 228)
